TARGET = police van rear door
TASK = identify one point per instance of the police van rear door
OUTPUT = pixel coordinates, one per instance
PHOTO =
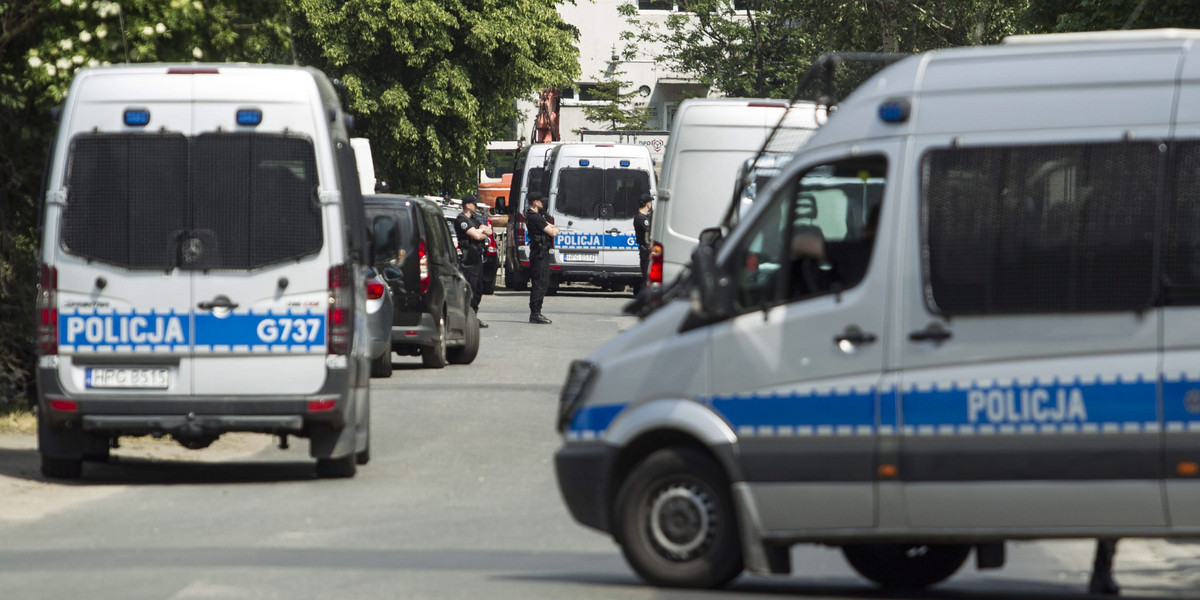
(257, 246)
(625, 180)
(124, 309)
(576, 208)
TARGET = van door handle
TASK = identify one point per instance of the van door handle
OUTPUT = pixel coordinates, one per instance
(933, 333)
(613, 231)
(855, 336)
(218, 302)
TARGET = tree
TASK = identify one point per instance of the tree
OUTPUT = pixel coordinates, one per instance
(616, 109)
(1055, 16)
(42, 44)
(756, 48)
(430, 80)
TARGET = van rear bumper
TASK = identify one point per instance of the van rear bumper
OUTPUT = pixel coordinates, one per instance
(146, 414)
(595, 274)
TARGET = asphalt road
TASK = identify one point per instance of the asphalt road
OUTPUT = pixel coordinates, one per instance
(459, 501)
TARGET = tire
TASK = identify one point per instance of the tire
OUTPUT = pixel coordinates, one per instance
(906, 566)
(489, 285)
(382, 366)
(363, 457)
(508, 279)
(520, 280)
(697, 545)
(337, 468)
(62, 468)
(434, 357)
(465, 354)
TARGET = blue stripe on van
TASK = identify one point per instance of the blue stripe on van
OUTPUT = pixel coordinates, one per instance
(595, 241)
(87, 330)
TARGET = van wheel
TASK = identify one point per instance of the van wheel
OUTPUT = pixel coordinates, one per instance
(906, 566)
(337, 468)
(62, 468)
(434, 356)
(466, 353)
(382, 366)
(519, 280)
(674, 521)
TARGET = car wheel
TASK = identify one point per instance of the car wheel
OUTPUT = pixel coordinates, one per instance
(508, 279)
(520, 280)
(674, 521)
(465, 354)
(363, 457)
(906, 566)
(434, 356)
(337, 468)
(382, 366)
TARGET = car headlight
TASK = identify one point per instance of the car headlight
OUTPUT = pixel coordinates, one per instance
(579, 377)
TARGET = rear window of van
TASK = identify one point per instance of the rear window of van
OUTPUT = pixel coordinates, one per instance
(600, 193)
(214, 201)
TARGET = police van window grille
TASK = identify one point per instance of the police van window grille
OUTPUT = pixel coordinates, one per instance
(580, 193)
(622, 189)
(254, 200)
(1040, 229)
(1181, 228)
(127, 198)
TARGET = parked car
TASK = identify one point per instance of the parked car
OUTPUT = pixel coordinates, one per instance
(491, 256)
(414, 251)
(380, 313)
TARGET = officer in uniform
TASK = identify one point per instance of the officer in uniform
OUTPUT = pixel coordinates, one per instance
(641, 229)
(541, 237)
(472, 240)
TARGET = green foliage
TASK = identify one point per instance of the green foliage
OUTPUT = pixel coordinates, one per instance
(764, 52)
(431, 80)
(616, 111)
(1056, 16)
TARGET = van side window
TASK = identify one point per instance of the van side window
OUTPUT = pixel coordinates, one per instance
(1181, 223)
(828, 216)
(1065, 228)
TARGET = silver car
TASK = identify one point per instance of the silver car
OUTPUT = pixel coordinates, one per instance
(379, 324)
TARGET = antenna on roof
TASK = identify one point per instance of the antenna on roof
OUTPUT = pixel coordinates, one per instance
(124, 44)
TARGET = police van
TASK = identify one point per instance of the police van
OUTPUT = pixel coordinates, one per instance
(992, 336)
(201, 250)
(592, 193)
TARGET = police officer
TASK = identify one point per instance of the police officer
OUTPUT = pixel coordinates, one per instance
(541, 236)
(472, 240)
(641, 229)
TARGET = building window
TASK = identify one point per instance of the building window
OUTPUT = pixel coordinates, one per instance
(656, 4)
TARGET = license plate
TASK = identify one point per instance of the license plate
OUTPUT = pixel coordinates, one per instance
(128, 378)
(579, 257)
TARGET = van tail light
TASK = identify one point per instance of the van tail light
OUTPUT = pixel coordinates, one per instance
(47, 307)
(423, 264)
(375, 289)
(341, 285)
(655, 275)
(519, 230)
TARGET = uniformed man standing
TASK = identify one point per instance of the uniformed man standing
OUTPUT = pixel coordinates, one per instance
(641, 229)
(472, 241)
(541, 236)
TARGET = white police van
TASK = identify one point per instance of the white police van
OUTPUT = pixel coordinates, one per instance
(592, 193)
(1009, 350)
(201, 240)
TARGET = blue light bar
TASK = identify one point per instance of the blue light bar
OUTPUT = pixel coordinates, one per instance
(894, 110)
(583, 162)
(624, 163)
(249, 116)
(137, 117)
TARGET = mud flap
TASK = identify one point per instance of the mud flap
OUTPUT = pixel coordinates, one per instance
(70, 444)
(362, 429)
(327, 442)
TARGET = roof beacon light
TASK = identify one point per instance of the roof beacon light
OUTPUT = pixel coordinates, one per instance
(249, 116)
(624, 163)
(583, 162)
(894, 110)
(137, 117)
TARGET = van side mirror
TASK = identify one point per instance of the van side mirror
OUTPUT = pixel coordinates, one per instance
(711, 237)
(707, 284)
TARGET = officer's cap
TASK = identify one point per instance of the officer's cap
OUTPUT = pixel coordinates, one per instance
(469, 199)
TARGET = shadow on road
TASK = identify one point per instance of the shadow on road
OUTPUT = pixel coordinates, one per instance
(127, 470)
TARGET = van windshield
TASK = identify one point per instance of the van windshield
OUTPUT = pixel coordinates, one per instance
(600, 193)
(214, 201)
